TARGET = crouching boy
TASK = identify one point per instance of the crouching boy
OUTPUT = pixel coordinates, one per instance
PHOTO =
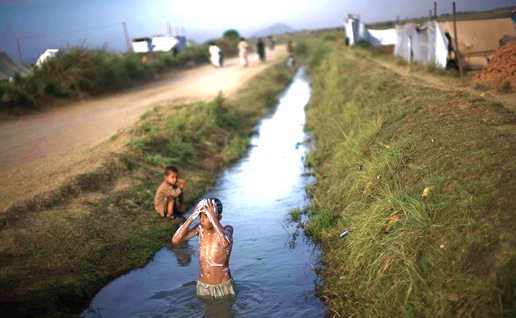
(169, 199)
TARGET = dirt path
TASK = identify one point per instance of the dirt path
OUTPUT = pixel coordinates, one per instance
(447, 83)
(37, 152)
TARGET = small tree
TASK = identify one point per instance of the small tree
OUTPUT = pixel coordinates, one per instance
(231, 35)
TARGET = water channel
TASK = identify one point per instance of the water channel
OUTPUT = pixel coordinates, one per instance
(272, 261)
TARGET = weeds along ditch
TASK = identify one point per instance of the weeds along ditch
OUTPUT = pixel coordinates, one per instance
(60, 248)
(424, 178)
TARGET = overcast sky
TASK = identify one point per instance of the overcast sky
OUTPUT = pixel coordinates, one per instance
(42, 24)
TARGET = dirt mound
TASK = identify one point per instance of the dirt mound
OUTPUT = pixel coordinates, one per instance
(501, 68)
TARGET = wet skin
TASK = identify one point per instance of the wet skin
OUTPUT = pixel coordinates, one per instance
(215, 243)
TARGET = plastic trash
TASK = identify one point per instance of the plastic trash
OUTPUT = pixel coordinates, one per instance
(346, 232)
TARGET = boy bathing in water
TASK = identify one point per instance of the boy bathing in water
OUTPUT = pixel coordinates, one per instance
(169, 199)
(215, 244)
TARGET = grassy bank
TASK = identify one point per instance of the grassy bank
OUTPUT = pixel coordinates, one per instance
(59, 249)
(425, 178)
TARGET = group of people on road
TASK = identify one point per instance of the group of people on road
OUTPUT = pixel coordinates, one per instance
(216, 54)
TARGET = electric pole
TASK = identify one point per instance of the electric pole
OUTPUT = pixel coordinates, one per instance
(127, 40)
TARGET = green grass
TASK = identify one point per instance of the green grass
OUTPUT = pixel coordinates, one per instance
(58, 250)
(378, 142)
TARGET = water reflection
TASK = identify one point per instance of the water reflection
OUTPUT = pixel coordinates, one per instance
(183, 252)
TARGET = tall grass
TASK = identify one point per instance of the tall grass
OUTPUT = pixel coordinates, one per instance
(378, 143)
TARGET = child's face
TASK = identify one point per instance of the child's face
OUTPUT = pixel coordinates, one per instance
(171, 178)
(205, 221)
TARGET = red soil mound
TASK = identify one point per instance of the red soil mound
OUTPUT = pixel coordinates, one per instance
(501, 68)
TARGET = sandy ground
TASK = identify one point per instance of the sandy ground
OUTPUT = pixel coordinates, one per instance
(38, 152)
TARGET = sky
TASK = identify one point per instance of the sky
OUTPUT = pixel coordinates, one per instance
(42, 24)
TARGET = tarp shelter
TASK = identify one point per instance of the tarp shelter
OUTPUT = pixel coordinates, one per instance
(357, 32)
(163, 43)
(478, 39)
(181, 42)
(424, 43)
(48, 54)
(142, 45)
(8, 68)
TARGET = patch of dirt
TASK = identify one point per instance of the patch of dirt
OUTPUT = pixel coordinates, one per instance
(501, 68)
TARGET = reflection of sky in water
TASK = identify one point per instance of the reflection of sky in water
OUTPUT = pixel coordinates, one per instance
(272, 168)
(273, 277)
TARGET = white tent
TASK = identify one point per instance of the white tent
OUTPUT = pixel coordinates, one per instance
(163, 43)
(142, 45)
(425, 43)
(48, 54)
(357, 32)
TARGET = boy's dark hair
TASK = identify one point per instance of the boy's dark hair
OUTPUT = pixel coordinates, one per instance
(171, 169)
(219, 205)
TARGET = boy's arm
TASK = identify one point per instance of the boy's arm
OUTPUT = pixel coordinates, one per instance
(183, 233)
(224, 234)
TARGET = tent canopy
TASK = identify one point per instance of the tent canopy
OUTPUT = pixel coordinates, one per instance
(425, 43)
(8, 68)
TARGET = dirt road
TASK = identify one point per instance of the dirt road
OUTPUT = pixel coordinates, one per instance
(54, 144)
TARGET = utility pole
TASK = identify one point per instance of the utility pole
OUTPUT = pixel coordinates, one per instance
(19, 50)
(456, 40)
(435, 10)
(127, 40)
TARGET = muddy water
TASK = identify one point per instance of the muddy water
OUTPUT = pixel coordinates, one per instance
(272, 261)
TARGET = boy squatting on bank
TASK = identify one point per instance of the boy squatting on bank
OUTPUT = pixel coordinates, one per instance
(215, 244)
(169, 199)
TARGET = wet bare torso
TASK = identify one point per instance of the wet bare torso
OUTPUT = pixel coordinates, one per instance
(213, 258)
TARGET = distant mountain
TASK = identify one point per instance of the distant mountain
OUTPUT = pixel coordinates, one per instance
(278, 28)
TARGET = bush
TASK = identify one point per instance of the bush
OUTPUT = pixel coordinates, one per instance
(301, 48)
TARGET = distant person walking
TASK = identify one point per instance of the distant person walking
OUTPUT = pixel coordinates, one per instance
(214, 54)
(260, 47)
(272, 42)
(243, 51)
(291, 61)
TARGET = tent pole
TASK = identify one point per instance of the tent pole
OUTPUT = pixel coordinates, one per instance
(19, 50)
(456, 40)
